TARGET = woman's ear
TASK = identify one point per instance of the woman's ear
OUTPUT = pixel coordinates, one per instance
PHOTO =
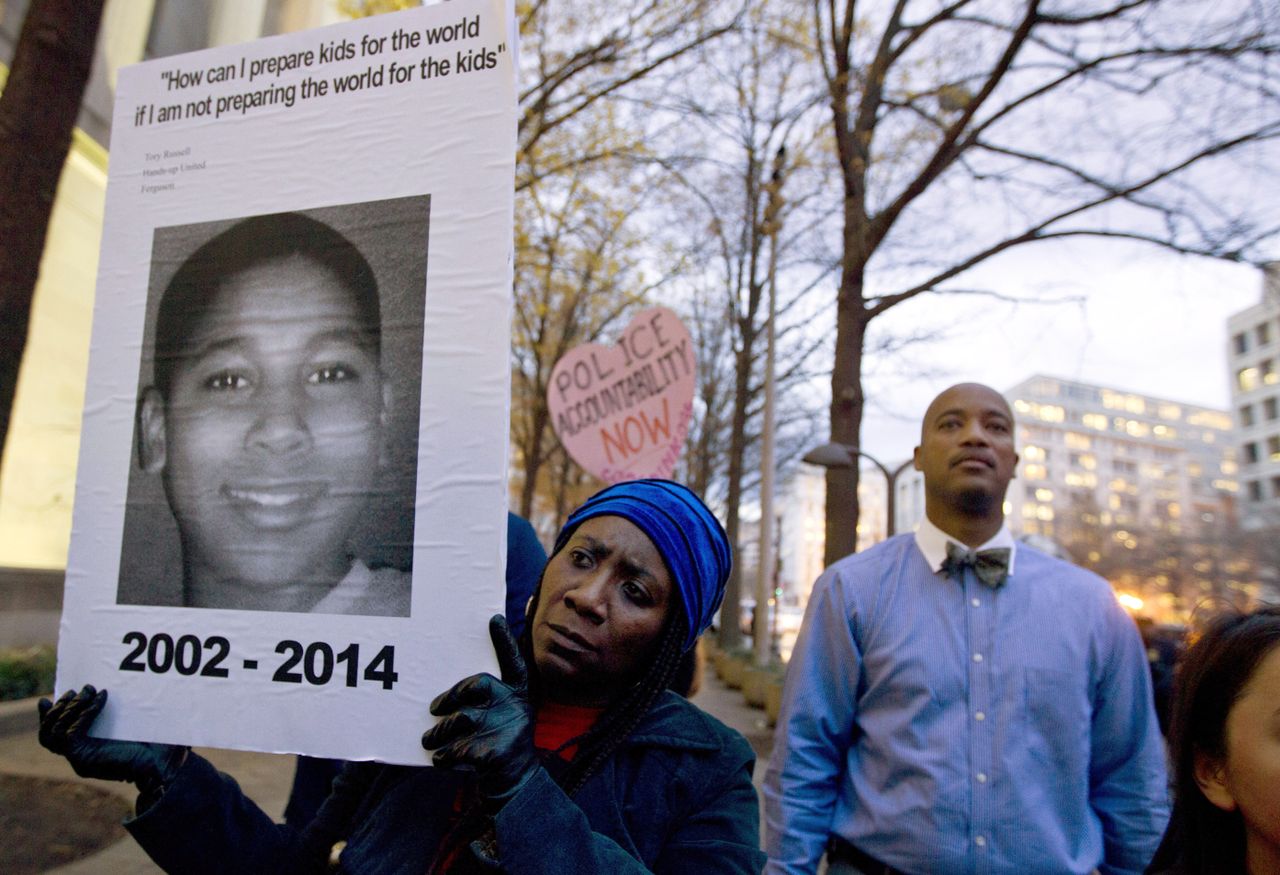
(152, 449)
(1211, 778)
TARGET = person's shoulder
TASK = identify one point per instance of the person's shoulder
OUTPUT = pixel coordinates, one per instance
(391, 592)
(1076, 591)
(372, 592)
(519, 527)
(675, 722)
(887, 553)
(866, 570)
(523, 545)
(1037, 563)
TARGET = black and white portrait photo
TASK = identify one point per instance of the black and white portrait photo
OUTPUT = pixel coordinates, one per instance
(275, 438)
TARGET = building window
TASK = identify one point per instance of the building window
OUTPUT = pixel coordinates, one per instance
(1240, 343)
(1246, 416)
(1273, 447)
(1247, 379)
(1255, 490)
(1275, 487)
(1269, 375)
(1087, 479)
(1210, 419)
(1251, 453)
(1131, 427)
(1269, 409)
(1263, 333)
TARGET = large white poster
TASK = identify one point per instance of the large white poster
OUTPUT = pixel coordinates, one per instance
(292, 485)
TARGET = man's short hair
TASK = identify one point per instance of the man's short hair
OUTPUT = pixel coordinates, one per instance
(246, 244)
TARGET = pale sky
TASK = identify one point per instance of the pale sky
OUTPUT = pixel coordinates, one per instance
(1150, 322)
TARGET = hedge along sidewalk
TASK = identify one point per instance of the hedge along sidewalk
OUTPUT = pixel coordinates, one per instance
(19, 716)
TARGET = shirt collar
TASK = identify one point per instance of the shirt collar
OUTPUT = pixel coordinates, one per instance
(932, 542)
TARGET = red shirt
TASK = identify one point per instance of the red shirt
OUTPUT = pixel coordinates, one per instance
(555, 726)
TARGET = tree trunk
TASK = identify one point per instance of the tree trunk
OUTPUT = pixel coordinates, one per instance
(731, 635)
(846, 416)
(534, 455)
(37, 115)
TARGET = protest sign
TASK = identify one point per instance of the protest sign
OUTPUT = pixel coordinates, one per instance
(623, 412)
(291, 500)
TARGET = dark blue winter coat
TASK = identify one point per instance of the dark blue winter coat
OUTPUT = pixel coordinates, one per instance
(675, 798)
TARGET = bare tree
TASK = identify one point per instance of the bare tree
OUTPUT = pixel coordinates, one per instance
(759, 129)
(38, 111)
(577, 56)
(578, 271)
(964, 129)
(585, 171)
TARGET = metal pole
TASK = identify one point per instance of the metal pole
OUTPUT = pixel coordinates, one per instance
(892, 523)
(891, 529)
(764, 582)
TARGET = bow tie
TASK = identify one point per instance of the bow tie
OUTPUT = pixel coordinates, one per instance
(991, 566)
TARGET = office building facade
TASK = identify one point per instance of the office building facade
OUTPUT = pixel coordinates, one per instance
(1141, 489)
(1253, 351)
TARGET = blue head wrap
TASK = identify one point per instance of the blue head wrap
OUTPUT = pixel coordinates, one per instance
(688, 535)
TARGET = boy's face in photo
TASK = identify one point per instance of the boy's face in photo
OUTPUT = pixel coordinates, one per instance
(271, 436)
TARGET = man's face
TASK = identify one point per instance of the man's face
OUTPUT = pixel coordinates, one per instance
(966, 449)
(272, 434)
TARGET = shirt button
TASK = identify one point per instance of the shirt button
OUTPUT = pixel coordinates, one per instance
(982, 777)
(980, 716)
(977, 657)
(980, 841)
(977, 603)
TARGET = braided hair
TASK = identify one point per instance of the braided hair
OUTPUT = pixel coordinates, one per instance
(624, 714)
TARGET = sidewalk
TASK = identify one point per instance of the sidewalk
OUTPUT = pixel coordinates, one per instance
(729, 706)
(266, 778)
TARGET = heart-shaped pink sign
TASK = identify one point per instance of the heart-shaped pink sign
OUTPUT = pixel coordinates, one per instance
(623, 412)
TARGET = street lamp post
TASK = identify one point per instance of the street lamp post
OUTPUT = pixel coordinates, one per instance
(764, 583)
(837, 455)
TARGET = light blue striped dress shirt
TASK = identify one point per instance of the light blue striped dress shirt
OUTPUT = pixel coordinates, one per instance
(943, 727)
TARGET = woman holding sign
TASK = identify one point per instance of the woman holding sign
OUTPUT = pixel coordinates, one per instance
(581, 762)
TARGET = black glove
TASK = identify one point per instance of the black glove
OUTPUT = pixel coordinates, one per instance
(488, 724)
(64, 729)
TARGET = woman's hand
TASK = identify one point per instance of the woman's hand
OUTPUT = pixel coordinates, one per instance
(64, 729)
(488, 723)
